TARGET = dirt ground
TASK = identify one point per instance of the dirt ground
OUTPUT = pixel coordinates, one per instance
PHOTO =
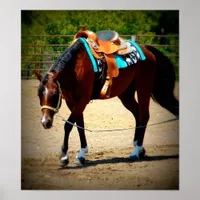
(107, 163)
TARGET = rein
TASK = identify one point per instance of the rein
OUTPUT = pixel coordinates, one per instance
(111, 130)
(105, 130)
(59, 98)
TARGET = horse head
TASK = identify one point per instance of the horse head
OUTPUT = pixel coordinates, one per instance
(73, 71)
(50, 96)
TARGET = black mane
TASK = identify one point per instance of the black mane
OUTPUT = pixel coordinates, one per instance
(61, 62)
(67, 56)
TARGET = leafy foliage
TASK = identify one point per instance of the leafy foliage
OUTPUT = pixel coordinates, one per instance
(69, 22)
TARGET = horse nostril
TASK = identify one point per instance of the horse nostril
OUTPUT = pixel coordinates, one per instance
(48, 124)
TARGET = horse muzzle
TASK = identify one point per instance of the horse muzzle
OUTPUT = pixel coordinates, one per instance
(46, 122)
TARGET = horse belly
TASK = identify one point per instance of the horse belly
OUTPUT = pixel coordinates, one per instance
(124, 79)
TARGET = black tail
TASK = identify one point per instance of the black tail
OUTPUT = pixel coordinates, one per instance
(163, 91)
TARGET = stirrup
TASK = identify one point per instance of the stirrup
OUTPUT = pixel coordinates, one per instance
(105, 91)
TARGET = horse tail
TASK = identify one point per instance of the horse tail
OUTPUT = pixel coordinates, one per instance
(163, 90)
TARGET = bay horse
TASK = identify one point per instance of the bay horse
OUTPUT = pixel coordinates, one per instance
(73, 79)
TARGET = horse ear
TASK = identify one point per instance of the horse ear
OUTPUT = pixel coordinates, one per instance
(55, 75)
(38, 75)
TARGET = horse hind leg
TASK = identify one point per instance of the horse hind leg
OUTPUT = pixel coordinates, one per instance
(140, 129)
(128, 100)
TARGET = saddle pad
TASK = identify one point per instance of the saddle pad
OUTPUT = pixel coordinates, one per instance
(122, 61)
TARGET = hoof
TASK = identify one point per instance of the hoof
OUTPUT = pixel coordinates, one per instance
(137, 157)
(80, 161)
(134, 158)
(142, 154)
(64, 161)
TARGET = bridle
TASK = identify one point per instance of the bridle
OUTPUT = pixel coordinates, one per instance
(59, 98)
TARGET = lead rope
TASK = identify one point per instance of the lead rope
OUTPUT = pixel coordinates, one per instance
(111, 130)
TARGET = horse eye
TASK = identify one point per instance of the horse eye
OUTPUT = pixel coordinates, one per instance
(55, 93)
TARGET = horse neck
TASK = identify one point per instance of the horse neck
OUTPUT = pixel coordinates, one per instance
(83, 65)
(77, 71)
(66, 77)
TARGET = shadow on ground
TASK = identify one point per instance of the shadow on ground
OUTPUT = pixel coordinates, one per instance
(90, 163)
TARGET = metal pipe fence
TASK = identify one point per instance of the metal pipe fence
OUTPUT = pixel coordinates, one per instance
(39, 52)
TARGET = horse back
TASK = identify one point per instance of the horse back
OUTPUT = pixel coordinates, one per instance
(89, 83)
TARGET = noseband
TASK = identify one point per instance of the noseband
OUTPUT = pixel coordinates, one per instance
(59, 98)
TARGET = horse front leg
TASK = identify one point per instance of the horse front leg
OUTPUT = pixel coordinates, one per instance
(80, 158)
(64, 160)
(76, 116)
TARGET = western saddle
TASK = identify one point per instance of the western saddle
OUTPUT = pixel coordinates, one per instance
(104, 44)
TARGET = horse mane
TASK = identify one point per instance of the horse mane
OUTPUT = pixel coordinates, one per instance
(67, 57)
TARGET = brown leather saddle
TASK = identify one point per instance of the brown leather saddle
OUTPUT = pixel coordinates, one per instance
(104, 44)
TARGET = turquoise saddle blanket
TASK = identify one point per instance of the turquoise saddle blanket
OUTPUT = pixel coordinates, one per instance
(122, 61)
